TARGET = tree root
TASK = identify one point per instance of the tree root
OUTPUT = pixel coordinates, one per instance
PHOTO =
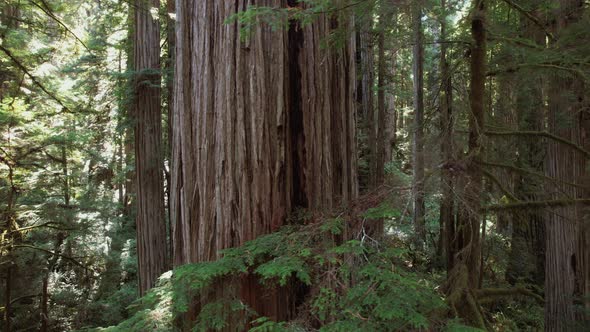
(462, 299)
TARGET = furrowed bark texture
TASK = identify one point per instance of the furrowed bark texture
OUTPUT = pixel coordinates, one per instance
(150, 222)
(367, 111)
(567, 247)
(259, 128)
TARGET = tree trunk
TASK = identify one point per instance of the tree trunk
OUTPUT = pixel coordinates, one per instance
(447, 215)
(527, 257)
(128, 110)
(464, 275)
(368, 111)
(9, 17)
(469, 231)
(565, 266)
(150, 222)
(418, 130)
(171, 35)
(259, 127)
(391, 114)
(8, 300)
(382, 144)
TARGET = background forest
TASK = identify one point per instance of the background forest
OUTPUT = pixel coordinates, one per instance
(298, 165)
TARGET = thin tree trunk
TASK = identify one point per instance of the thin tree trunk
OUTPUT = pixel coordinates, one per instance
(463, 278)
(10, 227)
(391, 115)
(381, 142)
(447, 220)
(129, 206)
(171, 35)
(418, 129)
(60, 237)
(471, 228)
(8, 300)
(150, 222)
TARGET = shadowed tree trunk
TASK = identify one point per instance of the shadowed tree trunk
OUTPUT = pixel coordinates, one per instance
(391, 114)
(527, 256)
(469, 228)
(368, 112)
(565, 266)
(259, 127)
(381, 118)
(150, 222)
(9, 18)
(463, 278)
(418, 129)
(171, 36)
(447, 219)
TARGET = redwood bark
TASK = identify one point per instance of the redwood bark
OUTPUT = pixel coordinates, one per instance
(150, 222)
(259, 127)
(369, 117)
(566, 265)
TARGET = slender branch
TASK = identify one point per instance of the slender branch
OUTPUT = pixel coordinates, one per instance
(529, 172)
(33, 78)
(47, 10)
(51, 253)
(516, 68)
(23, 297)
(499, 184)
(47, 225)
(535, 204)
(340, 8)
(542, 134)
(531, 17)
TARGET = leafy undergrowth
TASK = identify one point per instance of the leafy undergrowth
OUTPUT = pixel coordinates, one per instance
(361, 284)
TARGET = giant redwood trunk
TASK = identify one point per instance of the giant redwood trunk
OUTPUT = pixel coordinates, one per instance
(259, 127)
(150, 222)
(566, 265)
